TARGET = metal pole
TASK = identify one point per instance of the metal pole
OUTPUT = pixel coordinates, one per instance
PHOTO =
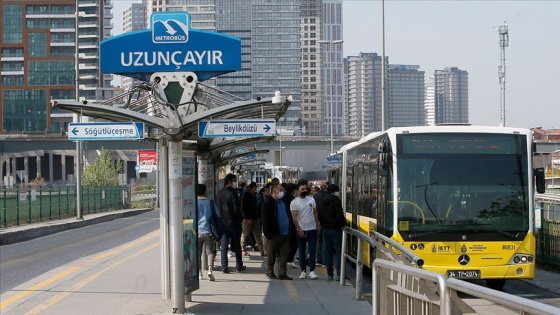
(504, 42)
(383, 65)
(164, 218)
(331, 92)
(280, 140)
(359, 269)
(78, 118)
(343, 258)
(176, 226)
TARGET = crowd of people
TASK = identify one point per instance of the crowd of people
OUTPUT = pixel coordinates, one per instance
(280, 221)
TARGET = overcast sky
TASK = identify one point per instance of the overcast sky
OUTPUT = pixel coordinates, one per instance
(439, 34)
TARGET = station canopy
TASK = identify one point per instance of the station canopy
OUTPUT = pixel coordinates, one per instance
(142, 103)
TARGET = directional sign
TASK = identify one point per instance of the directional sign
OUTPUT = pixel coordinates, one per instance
(236, 128)
(106, 131)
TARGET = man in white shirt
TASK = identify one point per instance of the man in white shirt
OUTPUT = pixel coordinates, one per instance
(304, 214)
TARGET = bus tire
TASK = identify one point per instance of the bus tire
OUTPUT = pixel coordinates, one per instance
(496, 284)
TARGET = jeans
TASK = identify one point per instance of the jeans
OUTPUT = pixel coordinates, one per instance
(231, 234)
(311, 239)
(332, 246)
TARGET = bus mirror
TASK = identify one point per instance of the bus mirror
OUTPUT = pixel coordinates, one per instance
(384, 147)
(539, 179)
(383, 164)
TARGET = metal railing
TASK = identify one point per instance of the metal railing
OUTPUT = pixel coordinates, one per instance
(399, 286)
(29, 204)
(379, 245)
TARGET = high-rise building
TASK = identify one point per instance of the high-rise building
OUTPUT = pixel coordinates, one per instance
(233, 18)
(333, 69)
(430, 102)
(38, 47)
(311, 68)
(202, 12)
(405, 96)
(134, 19)
(451, 96)
(364, 94)
(276, 55)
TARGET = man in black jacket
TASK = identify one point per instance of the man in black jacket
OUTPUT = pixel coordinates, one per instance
(251, 215)
(277, 228)
(331, 217)
(230, 213)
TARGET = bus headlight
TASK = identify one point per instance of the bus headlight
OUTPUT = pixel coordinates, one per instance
(521, 259)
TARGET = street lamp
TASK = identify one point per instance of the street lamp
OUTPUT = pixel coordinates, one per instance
(281, 147)
(329, 44)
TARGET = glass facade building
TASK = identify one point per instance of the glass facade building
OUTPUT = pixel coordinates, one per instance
(405, 96)
(38, 47)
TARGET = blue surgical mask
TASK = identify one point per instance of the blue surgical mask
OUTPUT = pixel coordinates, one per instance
(281, 195)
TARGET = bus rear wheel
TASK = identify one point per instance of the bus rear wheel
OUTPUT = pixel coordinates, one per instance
(496, 284)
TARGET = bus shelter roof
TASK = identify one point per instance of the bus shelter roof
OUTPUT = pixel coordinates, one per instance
(211, 148)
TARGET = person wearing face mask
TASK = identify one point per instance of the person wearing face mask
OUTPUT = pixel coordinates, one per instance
(304, 214)
(331, 217)
(277, 227)
(229, 208)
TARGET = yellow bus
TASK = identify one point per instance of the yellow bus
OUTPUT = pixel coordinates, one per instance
(460, 197)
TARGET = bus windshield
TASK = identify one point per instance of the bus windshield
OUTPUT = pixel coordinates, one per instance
(475, 191)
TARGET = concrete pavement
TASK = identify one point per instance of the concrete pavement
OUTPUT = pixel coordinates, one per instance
(126, 280)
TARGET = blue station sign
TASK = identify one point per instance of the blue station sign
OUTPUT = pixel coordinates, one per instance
(170, 45)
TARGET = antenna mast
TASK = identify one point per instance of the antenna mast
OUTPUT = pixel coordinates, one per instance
(504, 42)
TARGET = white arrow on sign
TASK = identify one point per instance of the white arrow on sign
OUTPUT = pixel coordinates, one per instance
(236, 128)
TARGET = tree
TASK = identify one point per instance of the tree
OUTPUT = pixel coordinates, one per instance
(102, 172)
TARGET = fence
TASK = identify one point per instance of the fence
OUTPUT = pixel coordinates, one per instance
(29, 204)
(548, 235)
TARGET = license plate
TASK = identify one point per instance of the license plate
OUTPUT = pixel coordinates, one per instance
(463, 274)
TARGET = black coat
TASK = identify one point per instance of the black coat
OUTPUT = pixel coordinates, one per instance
(229, 206)
(331, 215)
(249, 207)
(270, 219)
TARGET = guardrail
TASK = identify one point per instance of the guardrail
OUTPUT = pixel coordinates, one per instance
(379, 245)
(399, 287)
(143, 195)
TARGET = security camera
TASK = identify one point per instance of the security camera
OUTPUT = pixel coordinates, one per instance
(277, 99)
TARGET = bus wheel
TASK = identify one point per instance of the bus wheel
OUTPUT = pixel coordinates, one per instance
(496, 284)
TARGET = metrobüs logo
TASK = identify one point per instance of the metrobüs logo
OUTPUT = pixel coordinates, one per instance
(170, 27)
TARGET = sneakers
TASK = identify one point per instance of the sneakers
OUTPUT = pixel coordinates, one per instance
(313, 275)
(337, 278)
(329, 278)
(303, 275)
(271, 275)
(226, 270)
(200, 277)
(230, 254)
(239, 269)
(211, 276)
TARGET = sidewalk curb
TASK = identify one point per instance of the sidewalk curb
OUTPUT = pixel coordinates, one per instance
(24, 233)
